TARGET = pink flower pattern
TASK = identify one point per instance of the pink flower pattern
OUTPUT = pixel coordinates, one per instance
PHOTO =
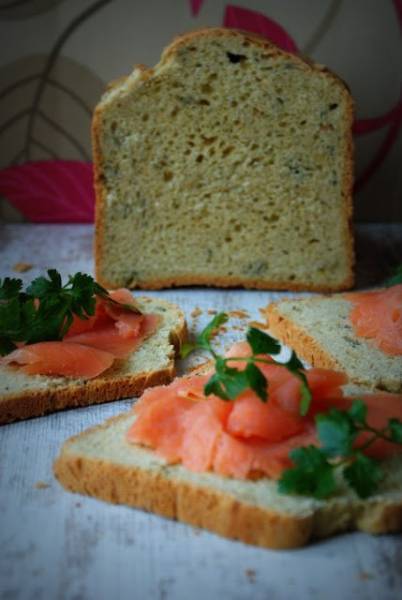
(62, 191)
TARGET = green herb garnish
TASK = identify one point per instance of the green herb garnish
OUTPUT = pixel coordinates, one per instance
(228, 383)
(45, 311)
(314, 473)
(314, 470)
(396, 277)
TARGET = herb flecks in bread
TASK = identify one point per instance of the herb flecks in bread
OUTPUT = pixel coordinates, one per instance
(153, 363)
(320, 331)
(218, 170)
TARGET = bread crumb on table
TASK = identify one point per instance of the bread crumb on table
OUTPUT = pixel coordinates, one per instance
(239, 314)
(250, 574)
(196, 312)
(212, 311)
(22, 267)
(41, 485)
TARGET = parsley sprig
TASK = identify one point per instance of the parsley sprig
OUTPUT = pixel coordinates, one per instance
(395, 278)
(45, 310)
(228, 382)
(315, 469)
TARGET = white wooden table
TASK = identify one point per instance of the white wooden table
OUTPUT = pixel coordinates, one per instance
(58, 545)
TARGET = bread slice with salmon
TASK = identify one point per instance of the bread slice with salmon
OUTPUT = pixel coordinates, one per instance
(25, 394)
(321, 331)
(228, 164)
(214, 464)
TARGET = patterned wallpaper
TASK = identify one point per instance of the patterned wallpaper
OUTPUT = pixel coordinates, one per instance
(58, 55)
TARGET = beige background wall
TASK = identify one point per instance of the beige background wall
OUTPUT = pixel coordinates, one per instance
(93, 42)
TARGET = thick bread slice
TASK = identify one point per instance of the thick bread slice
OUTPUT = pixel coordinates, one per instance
(320, 332)
(23, 396)
(229, 163)
(100, 462)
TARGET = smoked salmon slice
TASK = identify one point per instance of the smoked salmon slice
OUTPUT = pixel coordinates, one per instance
(247, 438)
(55, 358)
(251, 418)
(90, 345)
(377, 316)
(243, 459)
(117, 337)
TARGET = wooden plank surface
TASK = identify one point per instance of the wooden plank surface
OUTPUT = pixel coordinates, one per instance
(59, 545)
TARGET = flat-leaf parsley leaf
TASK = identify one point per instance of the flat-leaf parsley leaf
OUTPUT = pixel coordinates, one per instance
(45, 311)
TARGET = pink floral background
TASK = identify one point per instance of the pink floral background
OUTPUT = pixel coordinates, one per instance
(48, 96)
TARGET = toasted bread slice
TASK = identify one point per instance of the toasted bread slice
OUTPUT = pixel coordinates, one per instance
(23, 396)
(101, 463)
(320, 332)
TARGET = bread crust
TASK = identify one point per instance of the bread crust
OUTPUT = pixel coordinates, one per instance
(100, 191)
(307, 347)
(225, 282)
(175, 499)
(35, 403)
(40, 402)
(213, 509)
(299, 339)
(208, 280)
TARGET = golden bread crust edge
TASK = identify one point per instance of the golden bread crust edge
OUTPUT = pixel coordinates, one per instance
(99, 188)
(41, 402)
(199, 506)
(226, 282)
(305, 346)
(347, 185)
(212, 509)
(310, 350)
(37, 403)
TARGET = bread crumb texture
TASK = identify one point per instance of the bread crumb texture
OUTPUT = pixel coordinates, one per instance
(101, 463)
(229, 163)
(23, 396)
(320, 331)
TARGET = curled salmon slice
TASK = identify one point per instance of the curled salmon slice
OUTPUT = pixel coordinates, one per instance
(107, 338)
(377, 316)
(203, 426)
(160, 425)
(247, 438)
(284, 387)
(253, 458)
(129, 323)
(111, 338)
(106, 313)
(252, 418)
(59, 358)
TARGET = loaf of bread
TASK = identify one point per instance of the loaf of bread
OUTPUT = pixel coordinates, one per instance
(23, 396)
(228, 164)
(101, 463)
(320, 332)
